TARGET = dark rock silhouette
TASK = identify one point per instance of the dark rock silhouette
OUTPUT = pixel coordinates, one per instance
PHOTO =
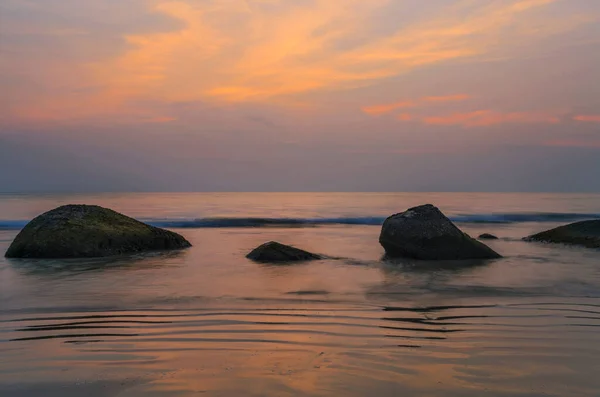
(585, 234)
(274, 252)
(425, 233)
(487, 236)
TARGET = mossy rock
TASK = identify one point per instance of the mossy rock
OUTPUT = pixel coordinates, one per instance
(87, 231)
(425, 233)
(274, 252)
(585, 234)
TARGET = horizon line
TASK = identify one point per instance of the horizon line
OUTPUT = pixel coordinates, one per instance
(77, 192)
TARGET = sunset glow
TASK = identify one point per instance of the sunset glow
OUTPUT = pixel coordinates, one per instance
(488, 117)
(209, 73)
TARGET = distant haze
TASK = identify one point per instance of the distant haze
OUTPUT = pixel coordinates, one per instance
(299, 95)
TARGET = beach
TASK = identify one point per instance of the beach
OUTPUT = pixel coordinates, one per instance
(207, 321)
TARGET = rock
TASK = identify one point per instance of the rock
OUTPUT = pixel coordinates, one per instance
(279, 253)
(585, 234)
(85, 231)
(424, 232)
(487, 236)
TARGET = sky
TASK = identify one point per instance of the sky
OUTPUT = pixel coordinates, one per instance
(299, 95)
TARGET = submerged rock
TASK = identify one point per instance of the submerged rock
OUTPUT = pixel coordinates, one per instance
(86, 231)
(487, 236)
(424, 232)
(585, 234)
(280, 253)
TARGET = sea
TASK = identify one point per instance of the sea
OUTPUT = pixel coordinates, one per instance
(206, 321)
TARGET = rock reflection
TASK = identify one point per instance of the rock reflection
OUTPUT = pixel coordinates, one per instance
(417, 266)
(62, 267)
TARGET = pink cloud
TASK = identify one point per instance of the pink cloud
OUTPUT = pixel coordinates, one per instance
(573, 143)
(448, 98)
(377, 110)
(404, 117)
(481, 118)
(160, 120)
(591, 118)
(401, 151)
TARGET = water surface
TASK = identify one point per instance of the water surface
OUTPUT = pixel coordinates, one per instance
(206, 321)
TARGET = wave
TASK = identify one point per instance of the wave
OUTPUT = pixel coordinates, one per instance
(264, 222)
(12, 225)
(364, 220)
(246, 222)
(523, 217)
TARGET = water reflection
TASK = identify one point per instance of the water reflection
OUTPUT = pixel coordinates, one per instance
(208, 321)
(450, 266)
(72, 266)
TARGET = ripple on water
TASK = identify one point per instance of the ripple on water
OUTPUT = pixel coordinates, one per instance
(377, 344)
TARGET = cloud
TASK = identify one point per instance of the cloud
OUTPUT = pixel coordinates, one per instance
(448, 98)
(163, 119)
(271, 51)
(572, 143)
(377, 110)
(476, 118)
(591, 118)
(481, 118)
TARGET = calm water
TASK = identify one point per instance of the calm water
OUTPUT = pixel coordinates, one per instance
(206, 321)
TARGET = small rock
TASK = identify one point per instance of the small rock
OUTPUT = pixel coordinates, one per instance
(275, 252)
(487, 236)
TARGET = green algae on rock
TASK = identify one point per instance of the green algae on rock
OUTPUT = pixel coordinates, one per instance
(584, 233)
(424, 232)
(87, 231)
(275, 252)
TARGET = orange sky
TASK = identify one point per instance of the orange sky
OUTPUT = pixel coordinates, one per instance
(395, 66)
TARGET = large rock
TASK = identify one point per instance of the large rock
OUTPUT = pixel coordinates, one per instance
(425, 233)
(84, 231)
(585, 234)
(274, 252)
